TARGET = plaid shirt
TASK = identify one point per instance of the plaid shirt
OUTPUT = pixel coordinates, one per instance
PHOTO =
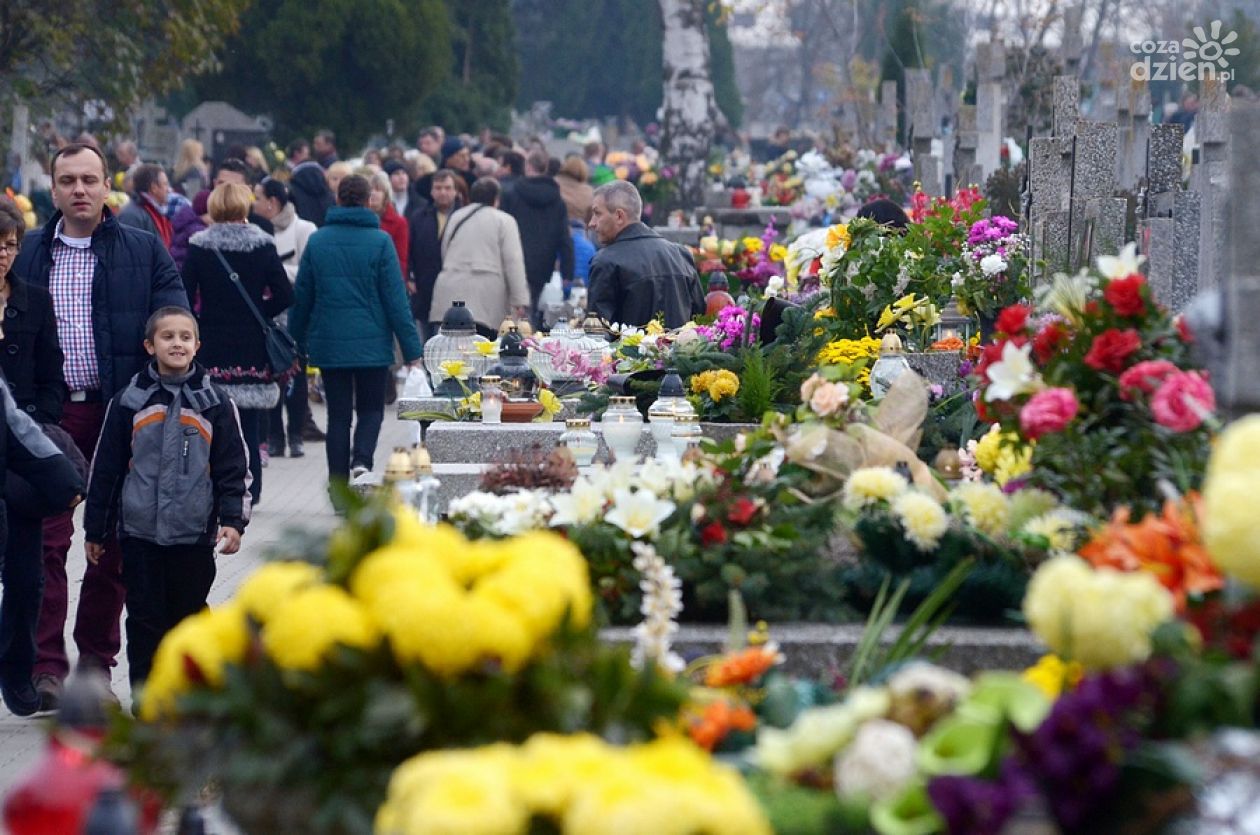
(70, 284)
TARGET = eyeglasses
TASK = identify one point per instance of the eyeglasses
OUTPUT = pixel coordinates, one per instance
(9, 247)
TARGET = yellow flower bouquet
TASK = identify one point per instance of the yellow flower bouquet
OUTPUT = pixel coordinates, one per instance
(389, 638)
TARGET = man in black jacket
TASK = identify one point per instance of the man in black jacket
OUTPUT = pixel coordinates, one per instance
(543, 219)
(307, 184)
(105, 280)
(427, 224)
(638, 275)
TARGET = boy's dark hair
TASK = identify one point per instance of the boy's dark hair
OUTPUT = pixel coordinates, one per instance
(485, 191)
(151, 326)
(354, 190)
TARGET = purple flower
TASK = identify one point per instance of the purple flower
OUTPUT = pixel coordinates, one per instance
(972, 806)
(847, 179)
(729, 327)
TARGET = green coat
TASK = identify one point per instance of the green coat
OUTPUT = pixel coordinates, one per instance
(349, 298)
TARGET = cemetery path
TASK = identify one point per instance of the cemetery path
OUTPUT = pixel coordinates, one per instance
(294, 495)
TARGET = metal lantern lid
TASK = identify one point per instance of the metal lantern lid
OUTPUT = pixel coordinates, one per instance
(512, 344)
(890, 345)
(672, 385)
(421, 461)
(458, 318)
(578, 423)
(489, 379)
(400, 466)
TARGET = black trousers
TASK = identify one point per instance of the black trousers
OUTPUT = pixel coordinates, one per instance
(23, 578)
(165, 584)
(358, 395)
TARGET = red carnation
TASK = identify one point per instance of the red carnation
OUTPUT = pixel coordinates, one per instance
(742, 511)
(1125, 295)
(1111, 349)
(1183, 331)
(1048, 341)
(1013, 319)
(713, 534)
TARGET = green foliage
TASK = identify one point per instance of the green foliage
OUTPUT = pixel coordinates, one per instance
(874, 259)
(756, 384)
(798, 810)
(484, 69)
(347, 65)
(120, 52)
(594, 58)
(1245, 66)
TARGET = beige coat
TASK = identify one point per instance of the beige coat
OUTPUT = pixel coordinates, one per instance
(577, 197)
(482, 265)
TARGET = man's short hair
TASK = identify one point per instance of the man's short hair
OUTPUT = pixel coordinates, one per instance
(620, 194)
(327, 135)
(514, 162)
(354, 190)
(443, 174)
(296, 147)
(236, 166)
(229, 202)
(73, 149)
(434, 132)
(151, 326)
(485, 191)
(146, 177)
(537, 160)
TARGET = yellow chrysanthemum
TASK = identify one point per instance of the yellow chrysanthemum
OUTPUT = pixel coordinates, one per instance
(274, 583)
(838, 235)
(1230, 531)
(717, 383)
(454, 793)
(200, 646)
(304, 629)
(1001, 455)
(1051, 675)
(1099, 617)
(872, 484)
(752, 244)
(848, 352)
(984, 506)
(923, 520)
(554, 767)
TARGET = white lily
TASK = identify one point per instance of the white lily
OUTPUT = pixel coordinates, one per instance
(614, 477)
(1013, 374)
(1118, 266)
(639, 513)
(583, 503)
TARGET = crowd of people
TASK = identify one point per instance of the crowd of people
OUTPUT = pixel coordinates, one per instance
(145, 374)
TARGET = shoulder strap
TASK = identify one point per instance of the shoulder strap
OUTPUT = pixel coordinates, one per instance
(451, 236)
(236, 280)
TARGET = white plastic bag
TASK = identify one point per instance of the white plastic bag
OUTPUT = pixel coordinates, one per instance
(553, 292)
(417, 385)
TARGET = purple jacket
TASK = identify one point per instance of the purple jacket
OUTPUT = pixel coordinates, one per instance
(185, 224)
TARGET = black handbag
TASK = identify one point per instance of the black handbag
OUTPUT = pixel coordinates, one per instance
(283, 357)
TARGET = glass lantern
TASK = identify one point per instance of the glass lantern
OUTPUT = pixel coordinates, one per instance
(622, 425)
(581, 441)
(892, 363)
(519, 382)
(954, 324)
(685, 435)
(456, 340)
(491, 399)
(670, 405)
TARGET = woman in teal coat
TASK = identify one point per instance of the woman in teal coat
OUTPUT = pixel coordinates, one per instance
(349, 305)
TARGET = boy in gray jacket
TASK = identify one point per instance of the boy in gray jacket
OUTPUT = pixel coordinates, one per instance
(171, 475)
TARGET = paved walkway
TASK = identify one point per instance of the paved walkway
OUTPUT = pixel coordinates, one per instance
(293, 496)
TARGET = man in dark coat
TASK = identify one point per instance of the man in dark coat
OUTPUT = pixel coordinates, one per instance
(427, 224)
(638, 275)
(543, 219)
(308, 185)
(105, 280)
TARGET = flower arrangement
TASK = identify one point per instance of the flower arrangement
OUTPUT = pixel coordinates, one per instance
(732, 328)
(917, 316)
(332, 666)
(1101, 379)
(572, 785)
(856, 354)
(992, 271)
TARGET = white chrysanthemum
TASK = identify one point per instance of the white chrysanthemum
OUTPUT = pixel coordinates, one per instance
(879, 763)
(992, 264)
(923, 520)
(984, 506)
(1059, 527)
(872, 484)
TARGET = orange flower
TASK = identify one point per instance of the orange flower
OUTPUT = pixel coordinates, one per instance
(743, 667)
(953, 343)
(1167, 545)
(718, 720)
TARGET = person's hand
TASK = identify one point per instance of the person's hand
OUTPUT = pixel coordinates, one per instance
(228, 540)
(417, 363)
(78, 497)
(411, 287)
(95, 550)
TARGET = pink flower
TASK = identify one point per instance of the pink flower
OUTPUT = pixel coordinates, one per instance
(1049, 410)
(1183, 401)
(1145, 377)
(828, 399)
(810, 386)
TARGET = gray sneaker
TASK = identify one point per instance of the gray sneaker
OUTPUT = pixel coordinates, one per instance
(48, 686)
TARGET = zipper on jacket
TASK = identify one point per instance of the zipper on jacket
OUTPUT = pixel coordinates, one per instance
(185, 456)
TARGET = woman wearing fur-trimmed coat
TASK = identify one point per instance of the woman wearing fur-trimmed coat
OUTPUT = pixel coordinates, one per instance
(232, 345)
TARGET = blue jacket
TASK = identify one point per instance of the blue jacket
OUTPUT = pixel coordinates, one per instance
(349, 298)
(134, 276)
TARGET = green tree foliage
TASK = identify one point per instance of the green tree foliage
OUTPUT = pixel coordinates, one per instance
(1246, 65)
(603, 58)
(118, 52)
(483, 78)
(348, 65)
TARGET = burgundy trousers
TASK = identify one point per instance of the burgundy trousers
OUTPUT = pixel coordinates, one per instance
(102, 595)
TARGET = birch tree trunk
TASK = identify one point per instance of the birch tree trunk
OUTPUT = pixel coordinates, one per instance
(689, 105)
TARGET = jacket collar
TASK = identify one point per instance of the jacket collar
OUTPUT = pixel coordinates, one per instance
(197, 391)
(107, 227)
(352, 216)
(231, 237)
(634, 231)
(19, 294)
(282, 221)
